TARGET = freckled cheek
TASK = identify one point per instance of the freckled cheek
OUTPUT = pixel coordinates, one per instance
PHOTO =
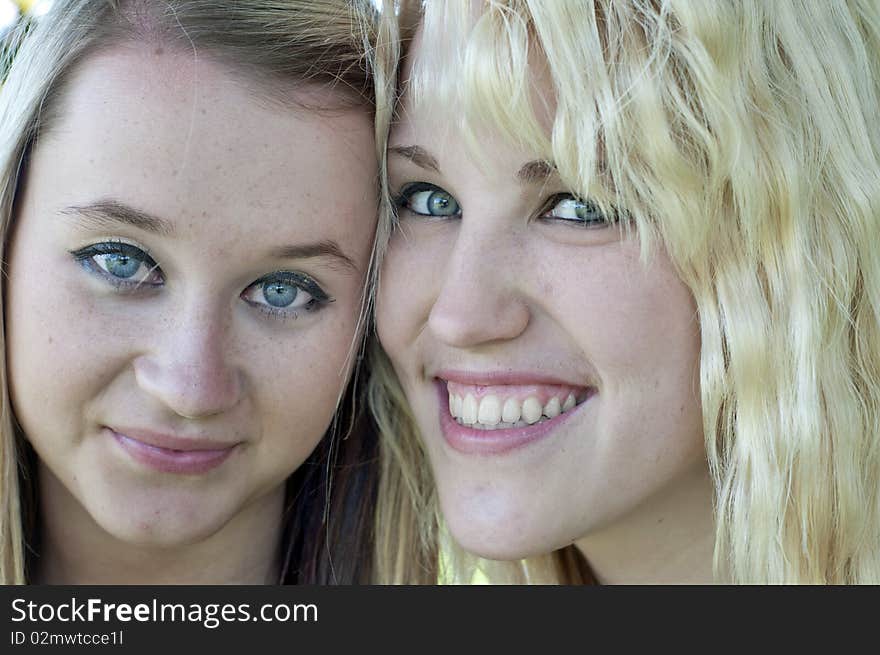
(628, 321)
(412, 272)
(62, 346)
(637, 329)
(295, 382)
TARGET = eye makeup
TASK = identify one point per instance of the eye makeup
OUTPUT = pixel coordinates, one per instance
(127, 268)
(283, 294)
(122, 265)
(429, 200)
(567, 208)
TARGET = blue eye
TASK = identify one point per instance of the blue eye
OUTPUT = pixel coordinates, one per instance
(280, 294)
(566, 207)
(428, 200)
(120, 264)
(284, 293)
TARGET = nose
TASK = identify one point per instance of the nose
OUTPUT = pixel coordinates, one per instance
(190, 370)
(479, 301)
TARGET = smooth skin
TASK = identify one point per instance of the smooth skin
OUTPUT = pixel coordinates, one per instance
(187, 263)
(498, 278)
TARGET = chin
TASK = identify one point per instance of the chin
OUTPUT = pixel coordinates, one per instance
(158, 528)
(500, 538)
(502, 548)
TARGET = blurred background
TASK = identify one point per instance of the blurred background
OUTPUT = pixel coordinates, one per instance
(12, 11)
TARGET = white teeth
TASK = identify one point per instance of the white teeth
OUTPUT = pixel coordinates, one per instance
(531, 410)
(512, 411)
(456, 406)
(490, 410)
(490, 413)
(552, 409)
(469, 410)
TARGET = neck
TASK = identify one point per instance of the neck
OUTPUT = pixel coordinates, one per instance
(76, 550)
(669, 539)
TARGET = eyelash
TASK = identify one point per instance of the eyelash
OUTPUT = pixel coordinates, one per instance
(404, 198)
(299, 281)
(556, 199)
(85, 257)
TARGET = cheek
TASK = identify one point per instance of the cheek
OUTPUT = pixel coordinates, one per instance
(637, 325)
(403, 298)
(646, 348)
(52, 328)
(297, 382)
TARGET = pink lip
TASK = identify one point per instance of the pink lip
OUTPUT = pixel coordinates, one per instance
(495, 442)
(172, 454)
(502, 377)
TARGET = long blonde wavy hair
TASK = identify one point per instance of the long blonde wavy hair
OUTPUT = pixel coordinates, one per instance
(339, 44)
(743, 136)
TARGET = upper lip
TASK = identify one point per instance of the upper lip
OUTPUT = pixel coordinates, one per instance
(504, 378)
(170, 441)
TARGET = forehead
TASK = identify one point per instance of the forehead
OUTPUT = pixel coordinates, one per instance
(180, 136)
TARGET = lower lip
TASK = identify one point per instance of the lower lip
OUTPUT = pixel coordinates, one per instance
(493, 442)
(167, 460)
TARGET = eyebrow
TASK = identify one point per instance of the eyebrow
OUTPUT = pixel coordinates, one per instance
(536, 171)
(327, 249)
(532, 172)
(417, 155)
(109, 213)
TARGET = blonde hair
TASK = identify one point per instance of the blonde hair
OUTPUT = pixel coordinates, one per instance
(334, 44)
(744, 138)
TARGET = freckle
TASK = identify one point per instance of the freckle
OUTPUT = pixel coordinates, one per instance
(204, 214)
(158, 51)
(51, 340)
(204, 111)
(174, 172)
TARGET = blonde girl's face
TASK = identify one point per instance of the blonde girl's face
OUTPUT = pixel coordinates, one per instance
(184, 285)
(552, 374)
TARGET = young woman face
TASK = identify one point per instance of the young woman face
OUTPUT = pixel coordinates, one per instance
(552, 374)
(184, 285)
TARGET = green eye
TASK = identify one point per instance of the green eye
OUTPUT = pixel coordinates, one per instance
(428, 200)
(566, 207)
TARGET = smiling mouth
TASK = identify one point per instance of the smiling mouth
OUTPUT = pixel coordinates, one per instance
(504, 407)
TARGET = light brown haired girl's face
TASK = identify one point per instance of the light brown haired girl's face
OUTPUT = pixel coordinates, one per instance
(552, 374)
(184, 286)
